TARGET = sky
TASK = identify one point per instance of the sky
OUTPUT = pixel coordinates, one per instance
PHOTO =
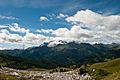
(30, 23)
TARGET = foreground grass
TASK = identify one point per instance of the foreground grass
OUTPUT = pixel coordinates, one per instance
(7, 77)
(10, 77)
(110, 70)
(114, 76)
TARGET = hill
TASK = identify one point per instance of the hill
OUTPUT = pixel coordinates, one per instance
(15, 62)
(111, 67)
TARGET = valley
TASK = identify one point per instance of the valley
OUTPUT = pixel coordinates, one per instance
(71, 61)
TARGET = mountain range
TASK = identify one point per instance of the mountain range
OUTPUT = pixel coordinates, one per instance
(62, 54)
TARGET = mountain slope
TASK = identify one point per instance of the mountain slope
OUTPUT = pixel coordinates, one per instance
(112, 67)
(15, 62)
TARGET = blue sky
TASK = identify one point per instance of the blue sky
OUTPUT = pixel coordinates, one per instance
(27, 13)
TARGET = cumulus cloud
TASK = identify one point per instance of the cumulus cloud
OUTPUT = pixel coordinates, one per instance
(43, 18)
(31, 38)
(2, 26)
(87, 26)
(90, 27)
(6, 36)
(111, 22)
(61, 15)
(45, 31)
(105, 29)
(76, 32)
(15, 27)
(8, 17)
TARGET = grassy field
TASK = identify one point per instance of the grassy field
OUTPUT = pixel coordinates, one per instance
(7, 77)
(109, 70)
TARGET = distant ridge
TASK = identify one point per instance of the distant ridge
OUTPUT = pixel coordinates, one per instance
(66, 53)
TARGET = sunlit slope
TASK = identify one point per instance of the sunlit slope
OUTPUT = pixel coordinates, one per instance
(112, 67)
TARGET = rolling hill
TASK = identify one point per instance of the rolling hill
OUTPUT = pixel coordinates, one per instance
(112, 67)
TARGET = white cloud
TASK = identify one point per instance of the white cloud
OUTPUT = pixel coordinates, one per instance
(4, 31)
(15, 39)
(61, 15)
(6, 36)
(31, 38)
(8, 17)
(43, 18)
(1, 48)
(105, 29)
(45, 30)
(89, 27)
(76, 32)
(15, 27)
(111, 22)
(2, 26)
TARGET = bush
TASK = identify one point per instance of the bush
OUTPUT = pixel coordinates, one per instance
(82, 71)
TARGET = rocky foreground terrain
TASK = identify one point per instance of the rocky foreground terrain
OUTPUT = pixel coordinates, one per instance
(44, 75)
